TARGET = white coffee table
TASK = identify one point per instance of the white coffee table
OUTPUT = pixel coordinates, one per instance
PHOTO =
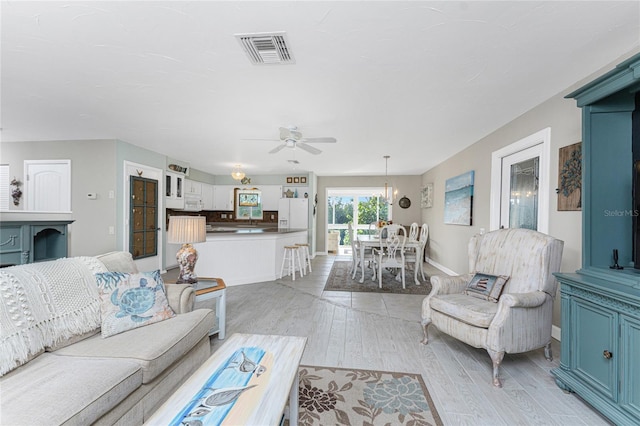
(247, 381)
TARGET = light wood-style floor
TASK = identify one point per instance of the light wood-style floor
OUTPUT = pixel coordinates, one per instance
(383, 332)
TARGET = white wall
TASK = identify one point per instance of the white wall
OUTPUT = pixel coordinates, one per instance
(448, 243)
(93, 169)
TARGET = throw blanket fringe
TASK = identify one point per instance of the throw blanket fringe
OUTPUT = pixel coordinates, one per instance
(42, 304)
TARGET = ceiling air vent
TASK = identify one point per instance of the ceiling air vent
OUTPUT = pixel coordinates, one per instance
(266, 48)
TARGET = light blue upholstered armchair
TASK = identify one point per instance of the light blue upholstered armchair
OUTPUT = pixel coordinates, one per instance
(520, 319)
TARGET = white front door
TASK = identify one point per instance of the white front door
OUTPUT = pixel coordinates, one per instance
(519, 200)
(520, 184)
(149, 263)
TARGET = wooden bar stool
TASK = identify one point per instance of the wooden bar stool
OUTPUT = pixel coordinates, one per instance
(306, 257)
(291, 255)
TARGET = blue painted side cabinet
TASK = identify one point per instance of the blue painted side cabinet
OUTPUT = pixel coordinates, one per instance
(600, 306)
(32, 241)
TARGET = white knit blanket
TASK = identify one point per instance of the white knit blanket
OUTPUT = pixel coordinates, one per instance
(43, 303)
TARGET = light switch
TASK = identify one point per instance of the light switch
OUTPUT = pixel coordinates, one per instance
(92, 196)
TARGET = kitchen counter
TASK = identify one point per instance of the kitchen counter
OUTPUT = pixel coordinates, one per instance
(245, 229)
(245, 255)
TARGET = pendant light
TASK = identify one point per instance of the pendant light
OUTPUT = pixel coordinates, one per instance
(388, 197)
(237, 173)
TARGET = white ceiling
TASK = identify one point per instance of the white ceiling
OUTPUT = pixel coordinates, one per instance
(418, 81)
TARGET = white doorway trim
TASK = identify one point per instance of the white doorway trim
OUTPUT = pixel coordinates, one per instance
(132, 169)
(543, 138)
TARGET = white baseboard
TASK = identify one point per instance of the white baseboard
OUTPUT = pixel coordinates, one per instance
(441, 267)
(556, 332)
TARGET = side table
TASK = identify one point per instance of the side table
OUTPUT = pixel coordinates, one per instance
(213, 288)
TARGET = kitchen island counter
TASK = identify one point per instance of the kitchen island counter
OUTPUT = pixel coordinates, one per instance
(249, 230)
(242, 255)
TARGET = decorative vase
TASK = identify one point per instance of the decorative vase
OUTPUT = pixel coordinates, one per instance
(187, 257)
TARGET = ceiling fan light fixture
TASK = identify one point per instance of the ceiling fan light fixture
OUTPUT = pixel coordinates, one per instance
(237, 173)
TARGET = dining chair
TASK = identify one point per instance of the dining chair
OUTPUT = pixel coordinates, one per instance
(413, 232)
(390, 255)
(355, 251)
(393, 228)
(416, 257)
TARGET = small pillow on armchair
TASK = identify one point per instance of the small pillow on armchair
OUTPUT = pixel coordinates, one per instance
(485, 286)
(131, 300)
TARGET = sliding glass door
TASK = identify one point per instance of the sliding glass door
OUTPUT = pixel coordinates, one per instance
(362, 207)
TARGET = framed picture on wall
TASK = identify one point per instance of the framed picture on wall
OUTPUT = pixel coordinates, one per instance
(296, 179)
(570, 177)
(458, 200)
(289, 179)
(303, 179)
(426, 200)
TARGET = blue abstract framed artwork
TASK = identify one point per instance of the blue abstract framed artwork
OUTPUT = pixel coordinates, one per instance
(458, 199)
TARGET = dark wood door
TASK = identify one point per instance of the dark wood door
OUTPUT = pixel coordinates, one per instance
(143, 217)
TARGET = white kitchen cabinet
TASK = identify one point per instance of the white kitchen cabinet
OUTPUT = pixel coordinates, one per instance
(271, 195)
(192, 187)
(174, 191)
(223, 197)
(207, 197)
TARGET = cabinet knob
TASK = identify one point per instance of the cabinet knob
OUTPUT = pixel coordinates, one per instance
(607, 355)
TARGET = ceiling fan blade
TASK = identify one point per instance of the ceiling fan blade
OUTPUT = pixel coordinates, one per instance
(308, 148)
(319, 140)
(277, 148)
(295, 134)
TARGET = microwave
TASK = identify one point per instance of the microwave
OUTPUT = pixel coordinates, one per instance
(192, 204)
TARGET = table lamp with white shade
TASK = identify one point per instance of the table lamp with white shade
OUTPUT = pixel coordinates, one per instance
(186, 230)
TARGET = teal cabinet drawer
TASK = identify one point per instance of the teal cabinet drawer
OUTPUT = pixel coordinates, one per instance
(11, 259)
(630, 342)
(10, 239)
(11, 245)
(596, 352)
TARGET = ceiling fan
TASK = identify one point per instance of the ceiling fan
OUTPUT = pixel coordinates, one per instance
(291, 137)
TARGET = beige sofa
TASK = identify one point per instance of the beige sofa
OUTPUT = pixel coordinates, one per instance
(87, 379)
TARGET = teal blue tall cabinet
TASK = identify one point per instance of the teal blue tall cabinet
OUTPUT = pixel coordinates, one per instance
(600, 306)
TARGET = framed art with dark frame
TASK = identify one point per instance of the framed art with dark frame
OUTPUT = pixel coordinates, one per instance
(296, 179)
(303, 179)
(289, 179)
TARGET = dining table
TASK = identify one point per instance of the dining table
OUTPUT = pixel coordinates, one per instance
(373, 241)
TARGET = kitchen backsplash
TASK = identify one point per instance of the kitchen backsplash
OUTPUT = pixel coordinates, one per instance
(268, 217)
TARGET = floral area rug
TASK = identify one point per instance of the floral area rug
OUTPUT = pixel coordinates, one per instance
(336, 396)
(340, 280)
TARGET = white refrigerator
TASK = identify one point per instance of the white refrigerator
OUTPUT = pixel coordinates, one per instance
(293, 213)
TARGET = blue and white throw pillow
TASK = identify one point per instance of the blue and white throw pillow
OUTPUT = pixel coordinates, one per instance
(485, 286)
(130, 301)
